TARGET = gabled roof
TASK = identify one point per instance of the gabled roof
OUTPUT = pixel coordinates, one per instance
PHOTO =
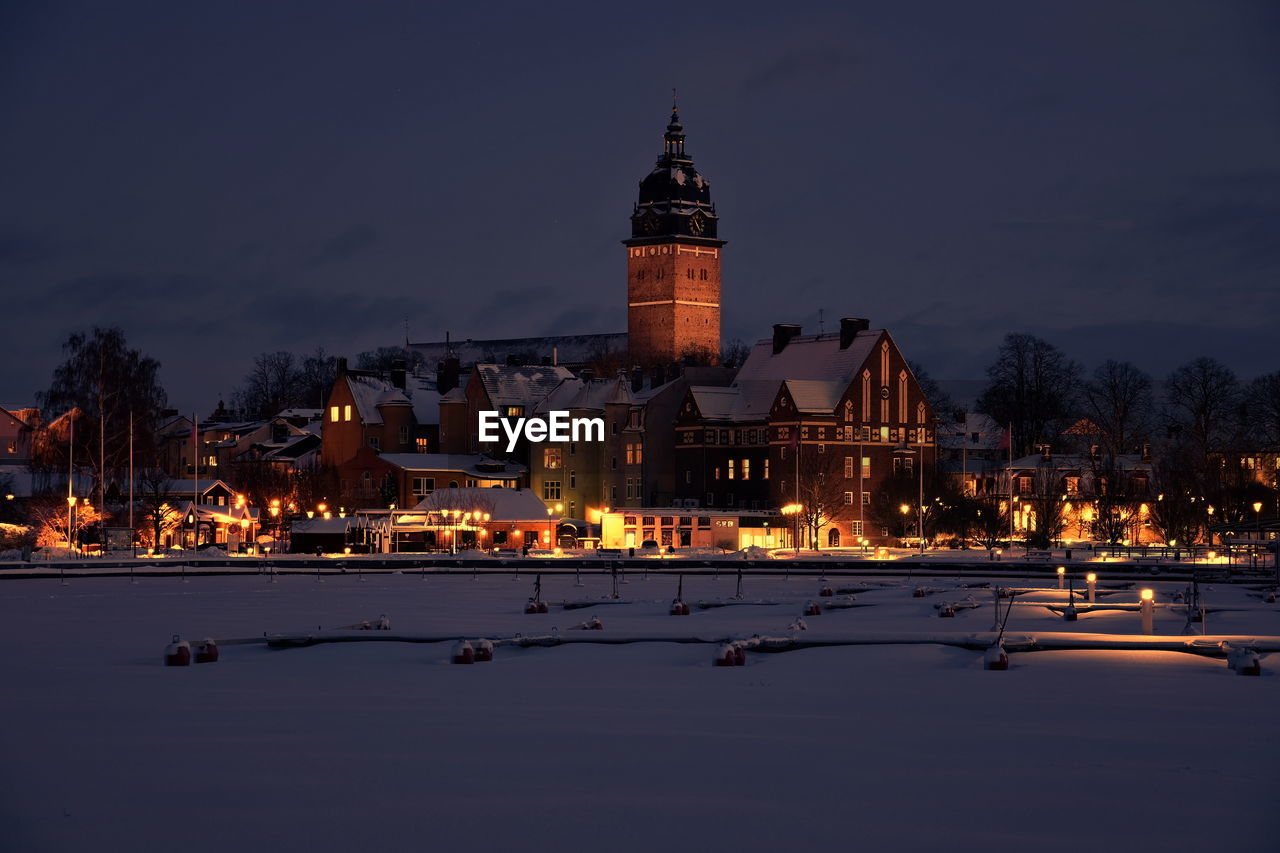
(509, 385)
(369, 392)
(579, 395)
(816, 395)
(748, 401)
(816, 357)
(503, 505)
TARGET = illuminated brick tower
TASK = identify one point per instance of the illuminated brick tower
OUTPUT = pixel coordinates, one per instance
(673, 262)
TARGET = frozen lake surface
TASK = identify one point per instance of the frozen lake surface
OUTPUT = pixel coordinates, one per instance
(641, 746)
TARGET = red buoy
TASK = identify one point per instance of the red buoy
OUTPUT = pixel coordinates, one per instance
(739, 656)
(679, 608)
(206, 651)
(177, 653)
(826, 592)
(483, 651)
(463, 653)
(726, 657)
(812, 609)
(995, 658)
(946, 611)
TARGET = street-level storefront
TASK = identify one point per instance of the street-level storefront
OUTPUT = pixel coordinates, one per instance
(673, 527)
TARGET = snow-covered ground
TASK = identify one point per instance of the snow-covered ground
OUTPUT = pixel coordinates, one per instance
(644, 746)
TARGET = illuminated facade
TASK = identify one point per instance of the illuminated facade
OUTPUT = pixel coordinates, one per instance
(673, 262)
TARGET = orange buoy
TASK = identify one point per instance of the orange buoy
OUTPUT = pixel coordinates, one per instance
(463, 653)
(177, 653)
(206, 651)
(995, 658)
(483, 651)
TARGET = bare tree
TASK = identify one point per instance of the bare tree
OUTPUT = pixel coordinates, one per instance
(1262, 397)
(1117, 399)
(1033, 386)
(822, 489)
(1201, 398)
(1048, 506)
(155, 497)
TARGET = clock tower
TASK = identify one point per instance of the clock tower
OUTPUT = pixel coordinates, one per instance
(673, 262)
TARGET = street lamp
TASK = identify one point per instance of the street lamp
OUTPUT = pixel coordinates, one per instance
(794, 511)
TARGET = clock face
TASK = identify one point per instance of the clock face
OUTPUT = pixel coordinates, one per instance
(697, 222)
(884, 392)
(649, 223)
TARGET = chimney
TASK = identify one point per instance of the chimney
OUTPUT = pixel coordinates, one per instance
(637, 378)
(397, 373)
(342, 366)
(447, 374)
(849, 328)
(782, 335)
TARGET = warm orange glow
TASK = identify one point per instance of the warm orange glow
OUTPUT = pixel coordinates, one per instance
(321, 507)
(1148, 594)
(1091, 577)
(904, 509)
(1062, 570)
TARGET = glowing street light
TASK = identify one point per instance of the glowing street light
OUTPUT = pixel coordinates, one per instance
(1148, 607)
(1091, 580)
(1062, 576)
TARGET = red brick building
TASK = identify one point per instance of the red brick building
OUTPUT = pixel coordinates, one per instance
(673, 262)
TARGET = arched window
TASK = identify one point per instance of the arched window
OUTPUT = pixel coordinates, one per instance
(833, 538)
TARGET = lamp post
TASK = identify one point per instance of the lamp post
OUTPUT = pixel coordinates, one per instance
(793, 510)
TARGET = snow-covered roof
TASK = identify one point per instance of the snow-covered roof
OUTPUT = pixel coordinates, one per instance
(746, 401)
(370, 392)
(809, 357)
(816, 395)
(190, 486)
(502, 504)
(471, 464)
(509, 385)
(582, 395)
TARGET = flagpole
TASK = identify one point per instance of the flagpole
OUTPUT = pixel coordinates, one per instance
(133, 544)
(195, 480)
(71, 467)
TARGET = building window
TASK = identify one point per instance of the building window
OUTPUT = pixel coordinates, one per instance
(848, 467)
(573, 480)
(688, 477)
(375, 442)
(1073, 485)
(1024, 485)
(822, 448)
(634, 456)
(766, 468)
(711, 436)
(573, 509)
(732, 469)
(424, 444)
(613, 463)
(333, 414)
(866, 467)
(855, 528)
(551, 490)
(746, 469)
(346, 412)
(848, 498)
(515, 411)
(613, 493)
(423, 486)
(404, 435)
(551, 458)
(866, 499)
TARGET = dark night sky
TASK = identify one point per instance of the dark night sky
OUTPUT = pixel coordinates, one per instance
(221, 179)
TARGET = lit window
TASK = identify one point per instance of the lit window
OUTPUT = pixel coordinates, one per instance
(731, 469)
(848, 467)
(746, 469)
(551, 457)
(333, 414)
(848, 498)
(346, 412)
